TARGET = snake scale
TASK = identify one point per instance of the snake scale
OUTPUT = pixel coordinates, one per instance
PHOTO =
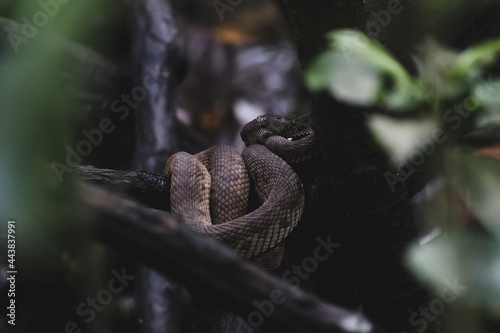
(210, 190)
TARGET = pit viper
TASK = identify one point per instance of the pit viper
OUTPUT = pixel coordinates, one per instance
(210, 190)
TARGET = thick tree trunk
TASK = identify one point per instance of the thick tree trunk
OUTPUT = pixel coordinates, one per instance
(376, 222)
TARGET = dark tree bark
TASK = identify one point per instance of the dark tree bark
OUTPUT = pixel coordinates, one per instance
(210, 269)
(152, 189)
(157, 61)
(376, 223)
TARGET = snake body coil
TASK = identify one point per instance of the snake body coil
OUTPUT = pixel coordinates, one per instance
(210, 190)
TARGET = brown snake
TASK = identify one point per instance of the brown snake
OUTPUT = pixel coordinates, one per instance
(210, 190)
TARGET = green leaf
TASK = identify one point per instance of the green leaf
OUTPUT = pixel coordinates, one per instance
(478, 179)
(463, 266)
(477, 56)
(355, 70)
(433, 63)
(349, 80)
(401, 138)
(488, 94)
(488, 118)
(472, 63)
(368, 50)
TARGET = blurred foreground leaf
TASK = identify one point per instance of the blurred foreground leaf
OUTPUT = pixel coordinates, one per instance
(477, 178)
(53, 249)
(401, 138)
(469, 264)
(356, 70)
(488, 94)
(472, 63)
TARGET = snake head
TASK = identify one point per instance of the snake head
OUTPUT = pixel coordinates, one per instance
(258, 130)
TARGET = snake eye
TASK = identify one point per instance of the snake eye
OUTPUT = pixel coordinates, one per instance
(261, 119)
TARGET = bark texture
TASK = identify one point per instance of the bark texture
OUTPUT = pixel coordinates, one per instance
(162, 241)
(158, 64)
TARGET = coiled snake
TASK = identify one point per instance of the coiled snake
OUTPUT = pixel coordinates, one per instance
(210, 190)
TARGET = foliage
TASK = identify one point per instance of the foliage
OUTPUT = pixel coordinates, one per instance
(452, 92)
(52, 246)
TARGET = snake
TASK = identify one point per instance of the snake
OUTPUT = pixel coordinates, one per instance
(210, 190)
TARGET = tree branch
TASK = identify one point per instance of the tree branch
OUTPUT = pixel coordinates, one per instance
(148, 187)
(162, 241)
